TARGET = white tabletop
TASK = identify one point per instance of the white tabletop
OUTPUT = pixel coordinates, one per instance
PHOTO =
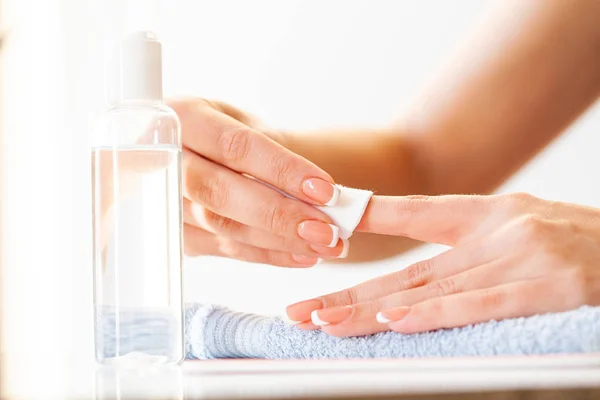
(219, 379)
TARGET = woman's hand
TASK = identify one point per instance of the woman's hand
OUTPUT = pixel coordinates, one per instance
(229, 214)
(513, 256)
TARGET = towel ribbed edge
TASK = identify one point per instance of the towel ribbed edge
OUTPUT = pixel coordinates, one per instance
(217, 332)
(196, 317)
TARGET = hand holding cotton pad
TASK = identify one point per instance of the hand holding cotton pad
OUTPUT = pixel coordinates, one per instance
(346, 210)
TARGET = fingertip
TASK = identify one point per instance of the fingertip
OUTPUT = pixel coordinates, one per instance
(303, 261)
(381, 319)
(321, 191)
(335, 197)
(340, 250)
(289, 314)
(345, 248)
(301, 311)
(314, 317)
(335, 236)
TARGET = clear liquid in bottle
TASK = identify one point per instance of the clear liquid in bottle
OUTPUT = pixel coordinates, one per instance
(137, 201)
(137, 214)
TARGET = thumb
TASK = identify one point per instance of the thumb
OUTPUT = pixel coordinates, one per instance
(439, 219)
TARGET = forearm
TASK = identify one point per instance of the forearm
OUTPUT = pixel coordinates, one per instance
(382, 161)
(529, 70)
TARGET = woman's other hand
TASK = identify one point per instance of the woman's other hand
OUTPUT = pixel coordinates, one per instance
(229, 214)
(512, 256)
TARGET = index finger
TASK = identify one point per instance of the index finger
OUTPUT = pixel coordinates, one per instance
(438, 219)
(226, 141)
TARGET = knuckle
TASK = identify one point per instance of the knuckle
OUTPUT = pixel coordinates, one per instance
(493, 299)
(235, 144)
(208, 189)
(434, 307)
(212, 192)
(415, 203)
(274, 219)
(420, 273)
(444, 287)
(347, 297)
(282, 217)
(282, 169)
(521, 197)
(516, 202)
(221, 224)
(531, 226)
(409, 206)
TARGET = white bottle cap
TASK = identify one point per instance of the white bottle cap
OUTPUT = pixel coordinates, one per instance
(136, 69)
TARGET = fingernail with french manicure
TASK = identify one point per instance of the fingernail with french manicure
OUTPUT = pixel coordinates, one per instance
(301, 311)
(341, 250)
(321, 191)
(331, 315)
(392, 315)
(306, 260)
(319, 233)
(346, 248)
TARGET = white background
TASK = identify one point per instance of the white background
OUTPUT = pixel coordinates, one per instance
(297, 64)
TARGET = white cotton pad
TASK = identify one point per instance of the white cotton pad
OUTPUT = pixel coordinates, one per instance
(347, 211)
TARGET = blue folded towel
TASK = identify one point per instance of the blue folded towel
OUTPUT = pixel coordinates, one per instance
(216, 332)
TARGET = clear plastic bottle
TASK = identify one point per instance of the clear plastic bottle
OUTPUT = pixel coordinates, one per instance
(137, 213)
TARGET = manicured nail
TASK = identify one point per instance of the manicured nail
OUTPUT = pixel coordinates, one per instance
(306, 260)
(330, 315)
(319, 233)
(392, 315)
(301, 311)
(321, 191)
(346, 248)
(339, 251)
